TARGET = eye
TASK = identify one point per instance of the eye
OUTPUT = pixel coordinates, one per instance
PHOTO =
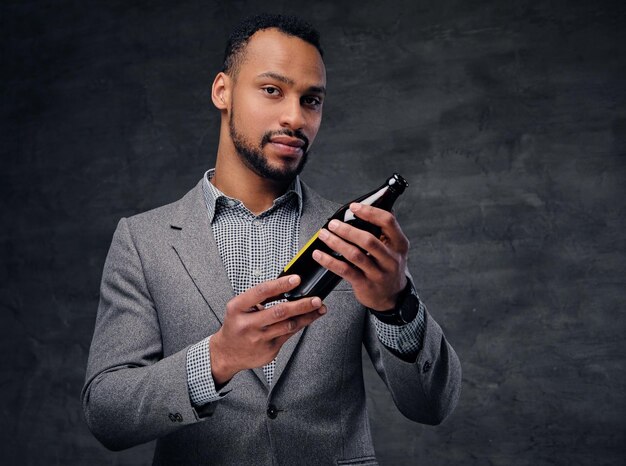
(312, 101)
(271, 91)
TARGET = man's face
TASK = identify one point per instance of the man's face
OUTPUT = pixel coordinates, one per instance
(276, 104)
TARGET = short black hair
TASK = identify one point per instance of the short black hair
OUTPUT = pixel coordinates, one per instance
(290, 25)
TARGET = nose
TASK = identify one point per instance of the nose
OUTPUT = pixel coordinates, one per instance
(292, 116)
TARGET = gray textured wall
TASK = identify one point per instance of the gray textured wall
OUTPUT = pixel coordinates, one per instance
(508, 119)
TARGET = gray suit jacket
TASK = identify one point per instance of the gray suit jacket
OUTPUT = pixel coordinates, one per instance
(164, 288)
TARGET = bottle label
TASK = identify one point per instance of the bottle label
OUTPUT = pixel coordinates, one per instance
(304, 248)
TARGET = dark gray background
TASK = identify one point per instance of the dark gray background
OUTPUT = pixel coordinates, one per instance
(507, 118)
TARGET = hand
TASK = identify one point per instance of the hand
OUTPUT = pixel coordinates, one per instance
(376, 269)
(251, 335)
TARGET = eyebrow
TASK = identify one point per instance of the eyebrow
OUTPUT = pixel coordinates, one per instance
(291, 82)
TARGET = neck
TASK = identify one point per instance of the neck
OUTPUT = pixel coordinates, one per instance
(236, 180)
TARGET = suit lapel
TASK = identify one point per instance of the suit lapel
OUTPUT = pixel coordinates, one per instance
(197, 250)
(315, 211)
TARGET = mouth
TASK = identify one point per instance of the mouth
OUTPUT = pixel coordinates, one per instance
(288, 145)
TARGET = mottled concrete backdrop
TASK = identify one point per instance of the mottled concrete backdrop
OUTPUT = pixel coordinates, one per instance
(507, 118)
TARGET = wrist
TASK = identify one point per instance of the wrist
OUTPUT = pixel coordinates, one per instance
(221, 370)
(393, 302)
(407, 307)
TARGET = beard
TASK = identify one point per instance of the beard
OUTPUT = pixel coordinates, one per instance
(256, 161)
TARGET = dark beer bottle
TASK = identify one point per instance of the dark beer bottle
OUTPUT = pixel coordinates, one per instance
(315, 280)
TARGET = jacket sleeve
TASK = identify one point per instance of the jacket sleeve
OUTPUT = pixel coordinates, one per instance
(427, 389)
(131, 393)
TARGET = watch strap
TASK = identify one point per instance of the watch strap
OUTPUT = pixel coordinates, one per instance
(406, 308)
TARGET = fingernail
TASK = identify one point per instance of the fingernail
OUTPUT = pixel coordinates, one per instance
(355, 206)
(322, 310)
(294, 279)
(317, 255)
(323, 234)
(333, 225)
(316, 302)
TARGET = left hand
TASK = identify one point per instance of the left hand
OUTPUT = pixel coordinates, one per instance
(377, 275)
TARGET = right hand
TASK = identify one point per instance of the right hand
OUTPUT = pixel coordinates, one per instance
(251, 335)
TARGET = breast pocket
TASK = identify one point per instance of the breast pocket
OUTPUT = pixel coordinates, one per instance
(361, 461)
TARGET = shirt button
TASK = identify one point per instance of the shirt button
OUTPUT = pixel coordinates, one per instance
(426, 367)
(257, 223)
(231, 203)
(256, 273)
(272, 412)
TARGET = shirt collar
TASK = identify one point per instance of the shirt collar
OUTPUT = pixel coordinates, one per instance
(212, 195)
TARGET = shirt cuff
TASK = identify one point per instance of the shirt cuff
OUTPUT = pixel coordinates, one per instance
(199, 377)
(405, 339)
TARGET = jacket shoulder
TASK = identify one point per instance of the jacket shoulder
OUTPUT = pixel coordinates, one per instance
(166, 216)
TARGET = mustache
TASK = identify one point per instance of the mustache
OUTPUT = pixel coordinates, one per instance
(286, 132)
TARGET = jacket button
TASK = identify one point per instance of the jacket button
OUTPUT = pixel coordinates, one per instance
(426, 367)
(175, 417)
(272, 412)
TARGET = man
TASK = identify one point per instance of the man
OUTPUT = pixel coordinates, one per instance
(185, 352)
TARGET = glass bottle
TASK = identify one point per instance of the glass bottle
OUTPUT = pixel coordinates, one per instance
(315, 280)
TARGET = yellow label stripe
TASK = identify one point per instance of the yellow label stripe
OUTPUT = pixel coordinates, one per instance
(304, 248)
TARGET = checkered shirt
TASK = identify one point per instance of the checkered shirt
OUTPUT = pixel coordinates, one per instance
(254, 249)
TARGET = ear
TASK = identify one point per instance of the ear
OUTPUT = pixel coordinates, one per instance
(220, 91)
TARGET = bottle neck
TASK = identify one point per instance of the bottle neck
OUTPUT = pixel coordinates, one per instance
(393, 187)
(383, 198)
(387, 198)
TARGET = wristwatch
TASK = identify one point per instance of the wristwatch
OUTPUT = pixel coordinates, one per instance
(406, 308)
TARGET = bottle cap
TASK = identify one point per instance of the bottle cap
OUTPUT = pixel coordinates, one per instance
(397, 183)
